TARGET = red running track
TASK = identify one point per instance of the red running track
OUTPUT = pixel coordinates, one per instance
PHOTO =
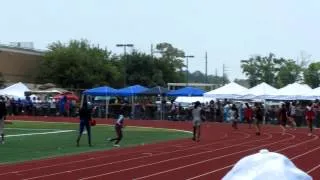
(211, 158)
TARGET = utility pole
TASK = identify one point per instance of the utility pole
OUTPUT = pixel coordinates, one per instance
(151, 50)
(224, 70)
(187, 58)
(125, 61)
(206, 57)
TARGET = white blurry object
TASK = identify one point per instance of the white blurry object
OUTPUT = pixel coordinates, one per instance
(265, 165)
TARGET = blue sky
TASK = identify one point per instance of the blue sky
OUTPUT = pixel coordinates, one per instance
(228, 30)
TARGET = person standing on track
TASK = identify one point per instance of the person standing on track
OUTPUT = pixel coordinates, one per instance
(291, 113)
(248, 114)
(310, 116)
(283, 118)
(234, 116)
(118, 127)
(3, 114)
(85, 119)
(197, 116)
(258, 112)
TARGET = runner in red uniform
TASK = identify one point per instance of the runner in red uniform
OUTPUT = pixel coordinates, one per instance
(310, 116)
(248, 114)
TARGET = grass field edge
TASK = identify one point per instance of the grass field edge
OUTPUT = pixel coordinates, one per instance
(93, 150)
(143, 127)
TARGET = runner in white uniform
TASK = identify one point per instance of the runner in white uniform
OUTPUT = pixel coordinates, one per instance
(196, 115)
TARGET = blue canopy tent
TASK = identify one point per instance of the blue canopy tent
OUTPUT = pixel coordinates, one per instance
(132, 91)
(186, 91)
(155, 91)
(101, 91)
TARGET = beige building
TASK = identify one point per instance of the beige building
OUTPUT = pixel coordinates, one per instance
(19, 64)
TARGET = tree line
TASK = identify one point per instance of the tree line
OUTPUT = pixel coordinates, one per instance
(279, 72)
(80, 65)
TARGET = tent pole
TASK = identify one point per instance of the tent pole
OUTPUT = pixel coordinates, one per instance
(161, 107)
(132, 106)
(81, 102)
(264, 111)
(107, 107)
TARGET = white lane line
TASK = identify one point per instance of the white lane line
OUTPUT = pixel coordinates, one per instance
(104, 174)
(314, 168)
(211, 172)
(164, 153)
(200, 162)
(121, 154)
(295, 157)
(30, 129)
(42, 133)
(295, 145)
(148, 154)
(111, 124)
(79, 169)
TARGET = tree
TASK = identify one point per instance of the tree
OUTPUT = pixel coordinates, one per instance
(141, 69)
(242, 82)
(251, 69)
(289, 72)
(151, 71)
(171, 62)
(219, 80)
(172, 55)
(312, 75)
(197, 77)
(78, 65)
(277, 72)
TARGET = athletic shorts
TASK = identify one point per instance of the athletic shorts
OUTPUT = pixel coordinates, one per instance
(84, 124)
(235, 120)
(283, 122)
(257, 121)
(248, 120)
(196, 122)
(309, 120)
(293, 116)
(1, 125)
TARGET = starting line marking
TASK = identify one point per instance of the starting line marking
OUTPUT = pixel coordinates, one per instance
(29, 129)
(42, 133)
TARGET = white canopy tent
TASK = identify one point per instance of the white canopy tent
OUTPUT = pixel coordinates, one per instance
(259, 91)
(229, 91)
(291, 92)
(16, 90)
(311, 94)
(189, 100)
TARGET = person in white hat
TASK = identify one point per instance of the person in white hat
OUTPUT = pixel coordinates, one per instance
(266, 165)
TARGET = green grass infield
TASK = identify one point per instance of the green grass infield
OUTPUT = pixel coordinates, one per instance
(37, 140)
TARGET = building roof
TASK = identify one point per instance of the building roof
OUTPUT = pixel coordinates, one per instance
(21, 50)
